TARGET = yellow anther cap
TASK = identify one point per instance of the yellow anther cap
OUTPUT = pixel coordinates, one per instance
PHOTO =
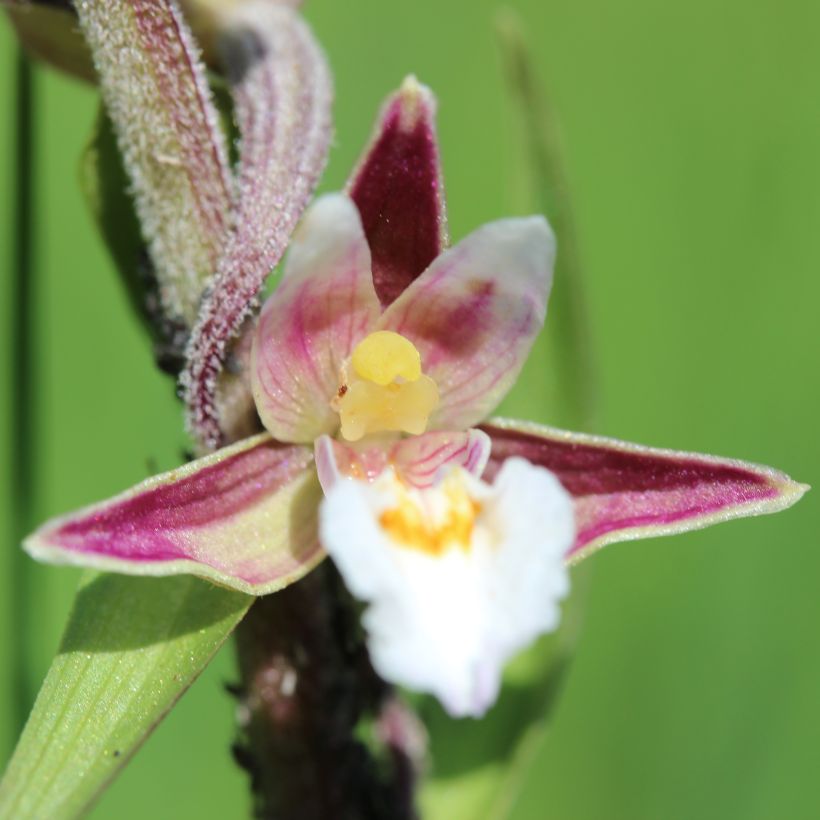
(384, 356)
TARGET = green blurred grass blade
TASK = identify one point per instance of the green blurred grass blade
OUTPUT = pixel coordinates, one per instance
(565, 373)
(131, 648)
(479, 766)
(24, 341)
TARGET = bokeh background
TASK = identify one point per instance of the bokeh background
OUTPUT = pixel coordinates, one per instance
(692, 140)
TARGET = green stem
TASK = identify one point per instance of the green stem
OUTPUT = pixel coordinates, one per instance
(22, 383)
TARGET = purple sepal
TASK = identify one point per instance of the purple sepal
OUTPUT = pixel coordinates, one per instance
(398, 190)
(244, 517)
(624, 491)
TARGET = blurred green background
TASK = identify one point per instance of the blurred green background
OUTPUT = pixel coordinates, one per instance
(692, 138)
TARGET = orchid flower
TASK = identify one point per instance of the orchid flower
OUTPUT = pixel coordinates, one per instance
(374, 368)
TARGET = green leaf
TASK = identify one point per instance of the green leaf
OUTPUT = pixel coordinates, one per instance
(478, 766)
(131, 649)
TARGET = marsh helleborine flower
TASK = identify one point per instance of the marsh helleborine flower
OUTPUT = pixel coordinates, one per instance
(375, 365)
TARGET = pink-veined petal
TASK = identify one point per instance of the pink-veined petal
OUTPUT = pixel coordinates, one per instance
(418, 460)
(474, 313)
(399, 191)
(324, 305)
(243, 517)
(168, 132)
(625, 491)
(282, 93)
(337, 460)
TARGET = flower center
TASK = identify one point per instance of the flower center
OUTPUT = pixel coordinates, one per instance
(445, 521)
(383, 388)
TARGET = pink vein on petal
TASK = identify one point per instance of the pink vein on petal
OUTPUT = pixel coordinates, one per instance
(421, 466)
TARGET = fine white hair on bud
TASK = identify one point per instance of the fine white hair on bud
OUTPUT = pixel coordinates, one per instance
(457, 577)
(282, 92)
(167, 128)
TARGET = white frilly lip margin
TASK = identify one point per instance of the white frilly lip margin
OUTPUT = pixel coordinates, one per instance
(447, 623)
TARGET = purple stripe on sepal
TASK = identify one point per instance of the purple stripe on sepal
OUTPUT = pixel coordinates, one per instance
(624, 491)
(398, 189)
(244, 517)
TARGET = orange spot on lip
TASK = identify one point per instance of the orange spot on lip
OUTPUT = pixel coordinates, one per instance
(411, 527)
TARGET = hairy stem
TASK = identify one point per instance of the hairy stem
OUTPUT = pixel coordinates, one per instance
(308, 701)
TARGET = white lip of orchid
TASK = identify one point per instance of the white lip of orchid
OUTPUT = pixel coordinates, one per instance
(457, 577)
(383, 389)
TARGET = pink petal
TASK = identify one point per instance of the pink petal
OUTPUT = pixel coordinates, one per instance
(167, 128)
(324, 305)
(336, 460)
(399, 191)
(243, 517)
(474, 314)
(625, 491)
(418, 459)
(282, 94)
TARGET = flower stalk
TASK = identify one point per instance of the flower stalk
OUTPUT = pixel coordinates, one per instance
(307, 690)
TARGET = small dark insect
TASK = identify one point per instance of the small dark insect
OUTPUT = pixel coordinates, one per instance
(342, 390)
